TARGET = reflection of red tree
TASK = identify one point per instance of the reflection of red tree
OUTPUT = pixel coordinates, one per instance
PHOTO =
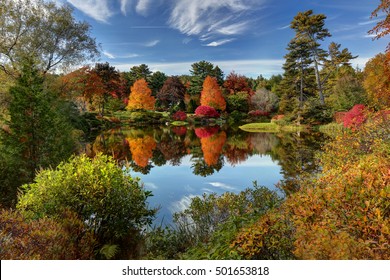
(142, 149)
(179, 130)
(204, 132)
(212, 147)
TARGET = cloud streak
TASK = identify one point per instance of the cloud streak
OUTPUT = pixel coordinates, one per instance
(96, 9)
(219, 43)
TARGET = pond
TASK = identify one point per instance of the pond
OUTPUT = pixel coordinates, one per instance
(179, 163)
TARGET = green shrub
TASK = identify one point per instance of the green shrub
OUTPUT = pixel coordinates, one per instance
(112, 203)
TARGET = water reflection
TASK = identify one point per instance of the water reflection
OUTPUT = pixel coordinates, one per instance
(209, 149)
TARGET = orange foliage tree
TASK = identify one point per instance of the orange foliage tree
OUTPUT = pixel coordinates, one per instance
(142, 149)
(141, 96)
(212, 147)
(377, 80)
(211, 94)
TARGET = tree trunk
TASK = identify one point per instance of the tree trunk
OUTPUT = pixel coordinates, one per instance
(319, 84)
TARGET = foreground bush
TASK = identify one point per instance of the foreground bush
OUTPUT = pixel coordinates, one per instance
(45, 238)
(112, 204)
(206, 228)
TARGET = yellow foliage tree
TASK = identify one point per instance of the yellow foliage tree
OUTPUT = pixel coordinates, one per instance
(141, 96)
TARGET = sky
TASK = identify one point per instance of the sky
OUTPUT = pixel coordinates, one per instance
(246, 36)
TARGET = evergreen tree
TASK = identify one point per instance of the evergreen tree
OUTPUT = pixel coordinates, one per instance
(40, 136)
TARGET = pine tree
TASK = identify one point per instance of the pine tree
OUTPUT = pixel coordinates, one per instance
(40, 135)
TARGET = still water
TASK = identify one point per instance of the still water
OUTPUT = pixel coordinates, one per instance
(179, 163)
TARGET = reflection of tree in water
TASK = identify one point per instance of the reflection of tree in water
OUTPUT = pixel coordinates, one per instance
(295, 152)
(172, 147)
(296, 155)
(113, 143)
(142, 149)
(238, 148)
(263, 143)
(212, 147)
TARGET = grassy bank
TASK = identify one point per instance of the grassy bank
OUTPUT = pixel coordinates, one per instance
(270, 127)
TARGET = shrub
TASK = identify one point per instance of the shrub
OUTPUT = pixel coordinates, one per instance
(238, 102)
(206, 111)
(179, 116)
(355, 117)
(344, 213)
(45, 238)
(112, 203)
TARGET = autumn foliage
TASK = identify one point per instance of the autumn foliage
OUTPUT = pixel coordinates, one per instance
(212, 147)
(237, 83)
(141, 96)
(341, 214)
(211, 94)
(142, 149)
(206, 111)
(377, 80)
(355, 117)
(179, 116)
(45, 238)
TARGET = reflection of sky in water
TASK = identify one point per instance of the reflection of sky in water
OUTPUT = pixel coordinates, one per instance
(174, 186)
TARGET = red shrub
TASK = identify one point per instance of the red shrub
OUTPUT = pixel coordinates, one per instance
(339, 117)
(206, 111)
(179, 130)
(179, 116)
(204, 132)
(355, 117)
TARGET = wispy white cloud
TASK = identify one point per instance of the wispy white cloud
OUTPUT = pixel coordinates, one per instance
(206, 17)
(97, 9)
(109, 55)
(143, 6)
(151, 43)
(219, 43)
(222, 186)
(125, 5)
(233, 29)
(182, 204)
(114, 56)
(284, 27)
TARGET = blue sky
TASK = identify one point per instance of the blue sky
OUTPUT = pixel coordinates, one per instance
(248, 36)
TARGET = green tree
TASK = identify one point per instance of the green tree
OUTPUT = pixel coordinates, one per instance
(44, 31)
(200, 70)
(136, 73)
(310, 29)
(157, 81)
